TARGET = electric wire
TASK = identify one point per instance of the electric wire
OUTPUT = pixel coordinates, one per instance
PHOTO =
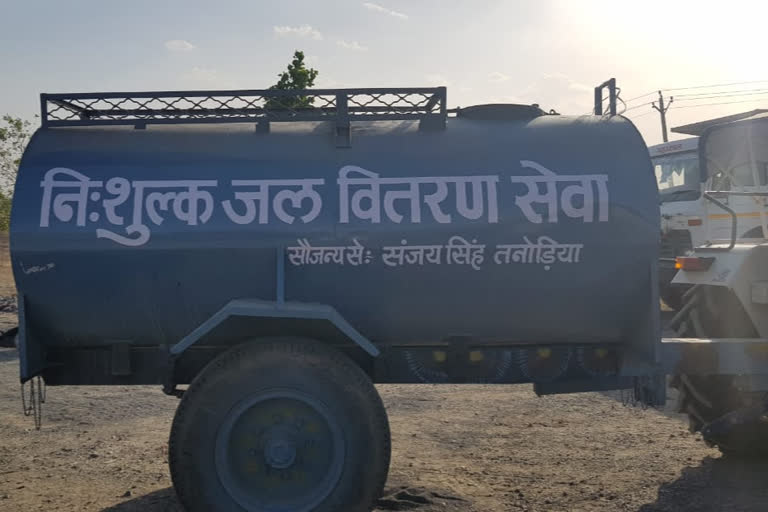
(733, 95)
(715, 85)
(751, 100)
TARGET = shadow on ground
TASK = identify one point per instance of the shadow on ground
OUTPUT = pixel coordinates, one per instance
(395, 498)
(158, 501)
(626, 397)
(8, 355)
(717, 484)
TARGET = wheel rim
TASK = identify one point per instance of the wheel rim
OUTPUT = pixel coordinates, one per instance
(279, 450)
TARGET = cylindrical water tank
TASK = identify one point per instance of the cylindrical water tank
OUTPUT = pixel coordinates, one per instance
(519, 228)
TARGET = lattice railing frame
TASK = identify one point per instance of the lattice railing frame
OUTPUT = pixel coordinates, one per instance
(259, 106)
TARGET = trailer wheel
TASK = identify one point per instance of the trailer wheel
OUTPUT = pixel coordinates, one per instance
(277, 426)
(717, 313)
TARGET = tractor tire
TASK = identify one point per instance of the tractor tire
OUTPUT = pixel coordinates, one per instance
(284, 424)
(716, 313)
(672, 295)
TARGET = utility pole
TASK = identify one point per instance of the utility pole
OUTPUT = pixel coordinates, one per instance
(662, 109)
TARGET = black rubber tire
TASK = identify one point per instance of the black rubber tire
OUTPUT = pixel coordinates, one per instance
(715, 313)
(672, 295)
(299, 365)
(8, 338)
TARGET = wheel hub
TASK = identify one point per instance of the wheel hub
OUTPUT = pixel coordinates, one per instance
(279, 450)
(280, 453)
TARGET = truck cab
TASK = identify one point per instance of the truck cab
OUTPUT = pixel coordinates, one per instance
(676, 167)
(688, 220)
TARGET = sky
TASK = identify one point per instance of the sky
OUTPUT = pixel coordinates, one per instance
(548, 52)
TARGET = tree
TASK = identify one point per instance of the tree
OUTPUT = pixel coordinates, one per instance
(14, 135)
(297, 77)
(5, 213)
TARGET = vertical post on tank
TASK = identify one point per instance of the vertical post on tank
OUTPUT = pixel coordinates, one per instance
(343, 133)
(612, 96)
(443, 92)
(280, 284)
(599, 100)
(43, 110)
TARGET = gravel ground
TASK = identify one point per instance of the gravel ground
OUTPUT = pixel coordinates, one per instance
(8, 304)
(471, 448)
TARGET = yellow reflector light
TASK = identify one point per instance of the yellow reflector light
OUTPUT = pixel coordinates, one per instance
(475, 356)
(693, 263)
(439, 356)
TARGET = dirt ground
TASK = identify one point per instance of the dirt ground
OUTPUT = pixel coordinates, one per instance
(7, 287)
(470, 448)
(8, 317)
(474, 448)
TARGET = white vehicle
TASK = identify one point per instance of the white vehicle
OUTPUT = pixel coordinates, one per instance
(688, 220)
(676, 165)
(722, 373)
(677, 174)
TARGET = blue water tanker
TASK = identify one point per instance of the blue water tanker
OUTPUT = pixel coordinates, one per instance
(280, 259)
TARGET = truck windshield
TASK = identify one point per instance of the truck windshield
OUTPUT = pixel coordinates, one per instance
(678, 176)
